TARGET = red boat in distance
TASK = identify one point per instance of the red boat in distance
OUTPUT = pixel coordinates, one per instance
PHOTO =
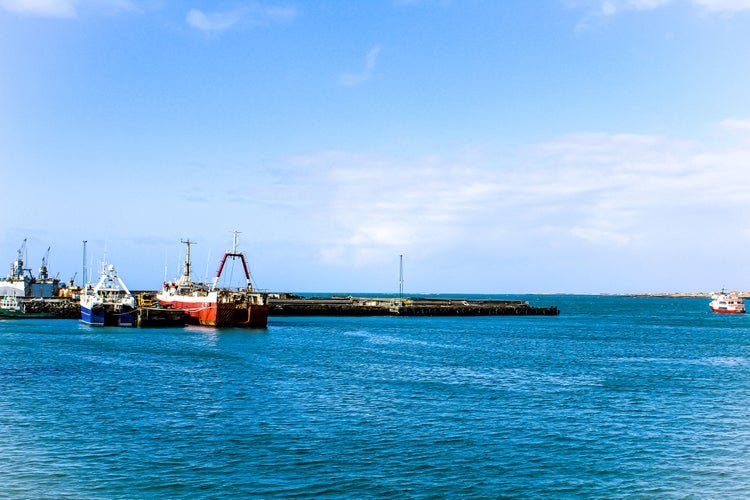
(727, 303)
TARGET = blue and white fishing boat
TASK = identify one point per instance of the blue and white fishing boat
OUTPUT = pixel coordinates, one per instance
(109, 302)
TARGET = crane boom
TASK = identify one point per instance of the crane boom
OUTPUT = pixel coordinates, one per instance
(17, 268)
(43, 271)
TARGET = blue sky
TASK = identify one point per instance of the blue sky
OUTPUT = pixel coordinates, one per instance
(578, 146)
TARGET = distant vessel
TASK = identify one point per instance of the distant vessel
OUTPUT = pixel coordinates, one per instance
(727, 303)
(109, 302)
(12, 307)
(207, 305)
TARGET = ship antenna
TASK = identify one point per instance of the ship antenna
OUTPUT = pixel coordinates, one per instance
(236, 237)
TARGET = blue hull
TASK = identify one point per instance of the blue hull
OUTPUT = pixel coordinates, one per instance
(106, 317)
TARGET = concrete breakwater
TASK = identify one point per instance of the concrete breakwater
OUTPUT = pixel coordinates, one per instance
(291, 305)
(62, 308)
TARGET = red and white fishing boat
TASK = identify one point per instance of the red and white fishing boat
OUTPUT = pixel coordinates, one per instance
(208, 305)
(727, 303)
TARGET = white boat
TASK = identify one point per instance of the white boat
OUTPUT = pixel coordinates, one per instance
(727, 303)
(109, 302)
(12, 307)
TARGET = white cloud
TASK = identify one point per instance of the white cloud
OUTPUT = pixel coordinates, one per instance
(582, 212)
(597, 10)
(611, 193)
(64, 8)
(45, 8)
(352, 79)
(737, 127)
(371, 207)
(274, 14)
(723, 5)
(611, 7)
(212, 21)
(633, 190)
(216, 22)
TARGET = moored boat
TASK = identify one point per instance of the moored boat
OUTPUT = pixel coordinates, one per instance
(109, 302)
(12, 307)
(150, 314)
(209, 305)
(727, 303)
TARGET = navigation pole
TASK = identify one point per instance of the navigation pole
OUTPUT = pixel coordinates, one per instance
(401, 277)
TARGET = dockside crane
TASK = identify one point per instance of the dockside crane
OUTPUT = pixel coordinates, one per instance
(43, 271)
(17, 267)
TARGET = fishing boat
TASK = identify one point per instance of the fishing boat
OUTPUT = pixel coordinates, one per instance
(12, 307)
(727, 303)
(210, 305)
(109, 302)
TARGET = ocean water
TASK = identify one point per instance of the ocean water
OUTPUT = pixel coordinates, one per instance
(617, 397)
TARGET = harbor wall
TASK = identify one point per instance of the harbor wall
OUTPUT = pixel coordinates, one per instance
(291, 305)
(363, 306)
(61, 308)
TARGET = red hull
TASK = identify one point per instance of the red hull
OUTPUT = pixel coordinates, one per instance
(724, 311)
(222, 315)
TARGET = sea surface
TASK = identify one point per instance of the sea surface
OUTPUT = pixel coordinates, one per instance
(617, 397)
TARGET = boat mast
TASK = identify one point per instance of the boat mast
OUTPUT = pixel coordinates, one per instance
(83, 279)
(187, 259)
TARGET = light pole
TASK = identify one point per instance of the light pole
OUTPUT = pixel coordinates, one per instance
(84, 263)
